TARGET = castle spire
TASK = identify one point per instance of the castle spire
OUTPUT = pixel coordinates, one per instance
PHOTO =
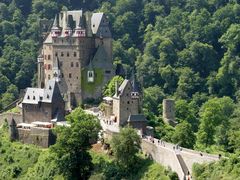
(56, 22)
(55, 30)
(67, 29)
(80, 25)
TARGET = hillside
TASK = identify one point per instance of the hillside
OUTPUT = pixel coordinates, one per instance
(187, 50)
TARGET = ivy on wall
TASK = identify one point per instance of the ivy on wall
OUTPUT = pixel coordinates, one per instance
(90, 87)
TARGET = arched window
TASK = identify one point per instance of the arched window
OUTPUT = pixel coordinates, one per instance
(90, 76)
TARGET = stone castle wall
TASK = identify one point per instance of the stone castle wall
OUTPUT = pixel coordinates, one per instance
(9, 116)
(162, 155)
(39, 136)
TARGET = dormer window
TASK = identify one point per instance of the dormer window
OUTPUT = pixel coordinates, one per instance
(34, 98)
(90, 76)
(47, 96)
(50, 88)
(28, 97)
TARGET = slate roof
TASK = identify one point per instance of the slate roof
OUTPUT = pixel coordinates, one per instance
(96, 20)
(137, 118)
(36, 95)
(101, 59)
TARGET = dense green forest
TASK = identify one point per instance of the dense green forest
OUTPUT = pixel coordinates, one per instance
(187, 50)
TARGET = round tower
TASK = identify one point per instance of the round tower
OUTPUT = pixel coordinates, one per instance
(169, 111)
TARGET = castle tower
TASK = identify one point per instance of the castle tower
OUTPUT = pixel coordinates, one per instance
(40, 71)
(74, 55)
(169, 111)
(125, 102)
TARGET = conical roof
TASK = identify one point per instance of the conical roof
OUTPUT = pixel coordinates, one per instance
(55, 23)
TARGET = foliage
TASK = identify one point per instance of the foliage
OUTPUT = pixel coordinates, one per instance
(125, 146)
(91, 86)
(105, 168)
(214, 122)
(223, 169)
(71, 153)
(183, 135)
(109, 90)
(16, 158)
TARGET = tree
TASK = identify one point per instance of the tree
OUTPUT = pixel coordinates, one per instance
(111, 86)
(125, 146)
(214, 113)
(184, 135)
(73, 143)
(186, 112)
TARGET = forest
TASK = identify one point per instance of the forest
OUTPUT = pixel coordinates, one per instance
(187, 50)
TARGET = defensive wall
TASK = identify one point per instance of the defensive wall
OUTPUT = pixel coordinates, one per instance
(39, 136)
(9, 116)
(169, 155)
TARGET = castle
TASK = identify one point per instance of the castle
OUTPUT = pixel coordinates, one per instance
(77, 53)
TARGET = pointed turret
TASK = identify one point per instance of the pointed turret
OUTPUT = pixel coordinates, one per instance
(67, 29)
(55, 30)
(80, 30)
(135, 88)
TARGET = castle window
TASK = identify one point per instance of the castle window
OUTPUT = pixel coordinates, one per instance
(45, 56)
(62, 54)
(128, 102)
(71, 64)
(50, 88)
(77, 77)
(49, 57)
(67, 54)
(60, 63)
(90, 76)
(70, 75)
(28, 97)
(56, 54)
(74, 54)
(47, 96)
(127, 108)
(77, 64)
(93, 25)
(34, 98)
(49, 66)
(49, 77)
(62, 75)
